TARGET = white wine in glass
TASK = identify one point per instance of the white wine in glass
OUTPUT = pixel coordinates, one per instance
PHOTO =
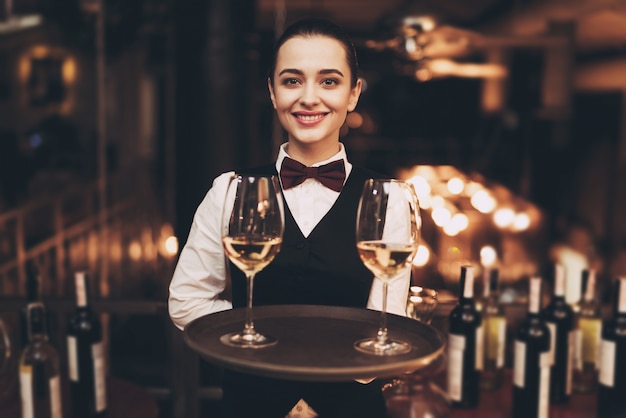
(254, 225)
(387, 236)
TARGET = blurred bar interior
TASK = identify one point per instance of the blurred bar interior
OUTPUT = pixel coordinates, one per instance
(115, 115)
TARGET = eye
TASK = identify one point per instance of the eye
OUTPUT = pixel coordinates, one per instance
(329, 82)
(290, 81)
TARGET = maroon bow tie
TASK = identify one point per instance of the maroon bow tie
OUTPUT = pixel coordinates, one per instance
(331, 175)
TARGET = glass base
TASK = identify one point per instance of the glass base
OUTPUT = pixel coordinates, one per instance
(416, 397)
(248, 340)
(388, 348)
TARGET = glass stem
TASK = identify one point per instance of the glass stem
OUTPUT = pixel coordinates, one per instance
(249, 326)
(382, 332)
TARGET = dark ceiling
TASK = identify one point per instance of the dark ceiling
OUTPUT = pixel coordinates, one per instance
(600, 25)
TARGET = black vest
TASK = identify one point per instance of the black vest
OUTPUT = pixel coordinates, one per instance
(322, 269)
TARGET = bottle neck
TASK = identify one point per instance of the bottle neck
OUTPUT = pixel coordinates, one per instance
(620, 297)
(589, 285)
(534, 296)
(80, 281)
(37, 326)
(559, 282)
(491, 283)
(33, 280)
(466, 284)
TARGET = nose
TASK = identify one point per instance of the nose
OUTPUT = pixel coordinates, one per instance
(310, 95)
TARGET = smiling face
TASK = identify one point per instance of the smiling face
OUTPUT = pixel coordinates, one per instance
(313, 91)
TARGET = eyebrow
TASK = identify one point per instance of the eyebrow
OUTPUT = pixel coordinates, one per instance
(299, 72)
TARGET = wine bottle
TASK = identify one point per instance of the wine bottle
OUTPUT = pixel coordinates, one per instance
(589, 331)
(33, 286)
(612, 376)
(86, 359)
(465, 346)
(531, 364)
(40, 383)
(559, 318)
(494, 326)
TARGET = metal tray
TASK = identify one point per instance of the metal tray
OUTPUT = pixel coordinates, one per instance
(315, 343)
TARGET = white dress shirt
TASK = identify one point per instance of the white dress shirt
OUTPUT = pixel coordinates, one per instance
(201, 274)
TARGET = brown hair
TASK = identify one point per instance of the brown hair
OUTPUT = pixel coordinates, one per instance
(308, 28)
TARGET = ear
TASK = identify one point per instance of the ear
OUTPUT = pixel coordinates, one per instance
(271, 90)
(355, 93)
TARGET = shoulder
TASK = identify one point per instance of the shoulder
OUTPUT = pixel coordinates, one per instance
(218, 189)
(220, 183)
(267, 169)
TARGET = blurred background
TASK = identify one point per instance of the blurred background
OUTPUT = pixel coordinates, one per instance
(148, 100)
(116, 115)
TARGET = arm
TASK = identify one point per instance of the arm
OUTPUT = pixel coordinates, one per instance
(200, 278)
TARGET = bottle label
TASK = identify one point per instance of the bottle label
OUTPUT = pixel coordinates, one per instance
(578, 348)
(571, 350)
(456, 348)
(26, 391)
(607, 363)
(552, 328)
(545, 361)
(479, 352)
(519, 364)
(55, 397)
(99, 375)
(72, 358)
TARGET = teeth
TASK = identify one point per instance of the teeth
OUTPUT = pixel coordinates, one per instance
(309, 118)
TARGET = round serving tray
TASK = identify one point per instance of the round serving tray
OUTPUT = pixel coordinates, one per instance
(315, 343)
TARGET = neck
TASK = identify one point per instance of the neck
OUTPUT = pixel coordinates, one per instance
(309, 154)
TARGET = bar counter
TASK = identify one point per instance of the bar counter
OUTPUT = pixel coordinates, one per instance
(498, 404)
(125, 399)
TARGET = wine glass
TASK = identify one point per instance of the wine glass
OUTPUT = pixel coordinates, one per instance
(417, 395)
(254, 222)
(413, 393)
(387, 236)
(421, 303)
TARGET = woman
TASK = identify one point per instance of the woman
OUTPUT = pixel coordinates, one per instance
(313, 84)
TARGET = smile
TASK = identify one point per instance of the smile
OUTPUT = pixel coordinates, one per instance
(310, 118)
